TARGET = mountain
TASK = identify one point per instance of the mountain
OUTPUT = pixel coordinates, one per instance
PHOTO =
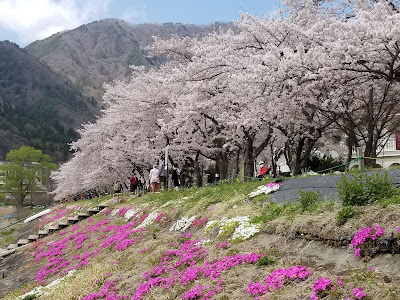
(102, 51)
(37, 106)
(52, 86)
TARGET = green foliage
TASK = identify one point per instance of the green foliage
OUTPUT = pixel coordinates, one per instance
(307, 200)
(318, 163)
(30, 297)
(266, 261)
(7, 232)
(272, 212)
(344, 214)
(27, 168)
(362, 189)
(227, 230)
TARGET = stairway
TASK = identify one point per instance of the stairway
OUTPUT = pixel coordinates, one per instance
(63, 223)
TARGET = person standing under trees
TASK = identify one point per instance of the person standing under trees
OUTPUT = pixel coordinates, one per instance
(134, 183)
(162, 172)
(176, 173)
(154, 178)
(117, 190)
(263, 170)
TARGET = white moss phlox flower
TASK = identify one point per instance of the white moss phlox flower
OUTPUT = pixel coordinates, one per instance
(149, 220)
(265, 189)
(204, 242)
(210, 225)
(182, 224)
(115, 212)
(243, 230)
(42, 290)
(172, 202)
(131, 212)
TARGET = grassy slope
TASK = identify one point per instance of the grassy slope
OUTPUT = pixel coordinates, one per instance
(127, 267)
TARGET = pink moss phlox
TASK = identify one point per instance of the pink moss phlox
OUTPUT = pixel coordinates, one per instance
(201, 292)
(159, 217)
(186, 235)
(143, 250)
(123, 211)
(56, 253)
(109, 291)
(223, 245)
(398, 229)
(54, 215)
(179, 266)
(363, 234)
(358, 293)
(321, 284)
(277, 280)
(199, 222)
(273, 184)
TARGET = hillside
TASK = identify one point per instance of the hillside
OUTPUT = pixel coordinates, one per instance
(102, 51)
(38, 107)
(203, 243)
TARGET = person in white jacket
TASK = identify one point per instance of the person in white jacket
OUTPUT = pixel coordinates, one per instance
(154, 178)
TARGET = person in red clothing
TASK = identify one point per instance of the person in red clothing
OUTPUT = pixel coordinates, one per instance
(134, 183)
(263, 170)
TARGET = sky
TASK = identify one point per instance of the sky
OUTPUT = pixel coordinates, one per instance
(25, 21)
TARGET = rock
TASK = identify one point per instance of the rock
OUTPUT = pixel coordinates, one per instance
(387, 279)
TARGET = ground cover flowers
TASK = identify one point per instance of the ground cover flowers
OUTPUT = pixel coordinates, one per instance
(362, 240)
(184, 266)
(237, 228)
(57, 256)
(265, 189)
(57, 213)
(277, 279)
(323, 286)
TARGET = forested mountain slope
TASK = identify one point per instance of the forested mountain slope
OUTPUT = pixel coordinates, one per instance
(102, 51)
(37, 106)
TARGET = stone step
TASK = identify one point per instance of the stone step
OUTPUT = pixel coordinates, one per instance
(33, 237)
(43, 233)
(12, 246)
(93, 211)
(53, 228)
(63, 224)
(82, 216)
(73, 220)
(102, 206)
(22, 242)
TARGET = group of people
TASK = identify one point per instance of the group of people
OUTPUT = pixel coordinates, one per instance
(158, 175)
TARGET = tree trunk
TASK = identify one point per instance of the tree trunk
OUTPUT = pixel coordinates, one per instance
(198, 170)
(248, 157)
(222, 164)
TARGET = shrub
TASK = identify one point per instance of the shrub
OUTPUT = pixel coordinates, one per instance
(308, 199)
(346, 213)
(362, 189)
(352, 190)
(379, 187)
(266, 261)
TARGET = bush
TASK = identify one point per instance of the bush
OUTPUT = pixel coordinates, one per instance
(346, 213)
(266, 261)
(308, 199)
(362, 189)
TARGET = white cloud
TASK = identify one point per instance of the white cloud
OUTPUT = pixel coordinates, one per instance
(37, 19)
